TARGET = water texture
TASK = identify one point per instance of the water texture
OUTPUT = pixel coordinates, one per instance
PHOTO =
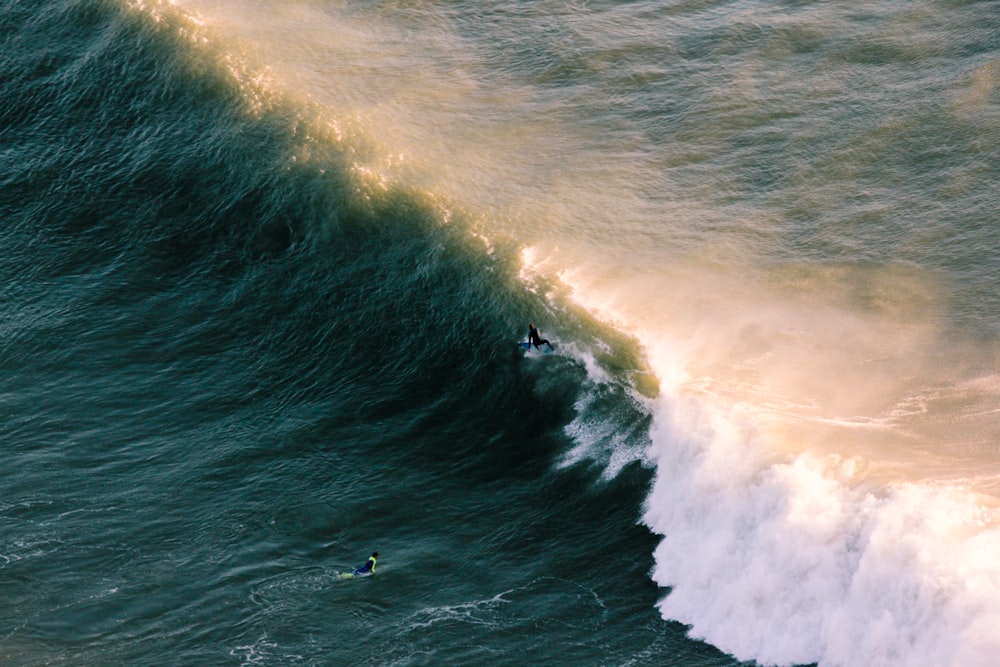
(264, 265)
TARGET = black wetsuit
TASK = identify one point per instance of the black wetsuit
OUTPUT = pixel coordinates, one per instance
(535, 338)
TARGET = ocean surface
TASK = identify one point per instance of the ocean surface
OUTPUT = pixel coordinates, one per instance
(264, 264)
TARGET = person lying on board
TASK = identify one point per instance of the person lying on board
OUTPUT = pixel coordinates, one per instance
(368, 567)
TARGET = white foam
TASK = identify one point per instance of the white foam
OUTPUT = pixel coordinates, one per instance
(817, 465)
(599, 439)
(799, 560)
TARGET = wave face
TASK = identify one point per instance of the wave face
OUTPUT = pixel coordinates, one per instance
(263, 274)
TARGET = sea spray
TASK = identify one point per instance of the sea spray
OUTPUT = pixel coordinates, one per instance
(807, 559)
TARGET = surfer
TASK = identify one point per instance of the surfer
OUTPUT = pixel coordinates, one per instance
(368, 567)
(535, 337)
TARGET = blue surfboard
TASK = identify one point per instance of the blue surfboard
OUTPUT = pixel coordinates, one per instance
(544, 349)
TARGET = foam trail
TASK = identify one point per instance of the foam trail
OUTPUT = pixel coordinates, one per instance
(806, 560)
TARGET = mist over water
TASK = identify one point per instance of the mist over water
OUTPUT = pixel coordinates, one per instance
(766, 228)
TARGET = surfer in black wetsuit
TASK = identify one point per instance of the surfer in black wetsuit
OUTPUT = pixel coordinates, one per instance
(535, 337)
(369, 566)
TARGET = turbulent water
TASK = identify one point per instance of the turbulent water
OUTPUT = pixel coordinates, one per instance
(264, 265)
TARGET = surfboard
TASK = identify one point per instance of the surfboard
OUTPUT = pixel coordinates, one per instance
(354, 575)
(528, 347)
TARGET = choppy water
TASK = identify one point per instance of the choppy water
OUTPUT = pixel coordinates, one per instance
(263, 266)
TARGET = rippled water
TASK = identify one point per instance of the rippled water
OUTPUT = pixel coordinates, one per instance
(264, 265)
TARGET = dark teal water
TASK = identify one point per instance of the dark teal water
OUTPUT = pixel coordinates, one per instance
(226, 379)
